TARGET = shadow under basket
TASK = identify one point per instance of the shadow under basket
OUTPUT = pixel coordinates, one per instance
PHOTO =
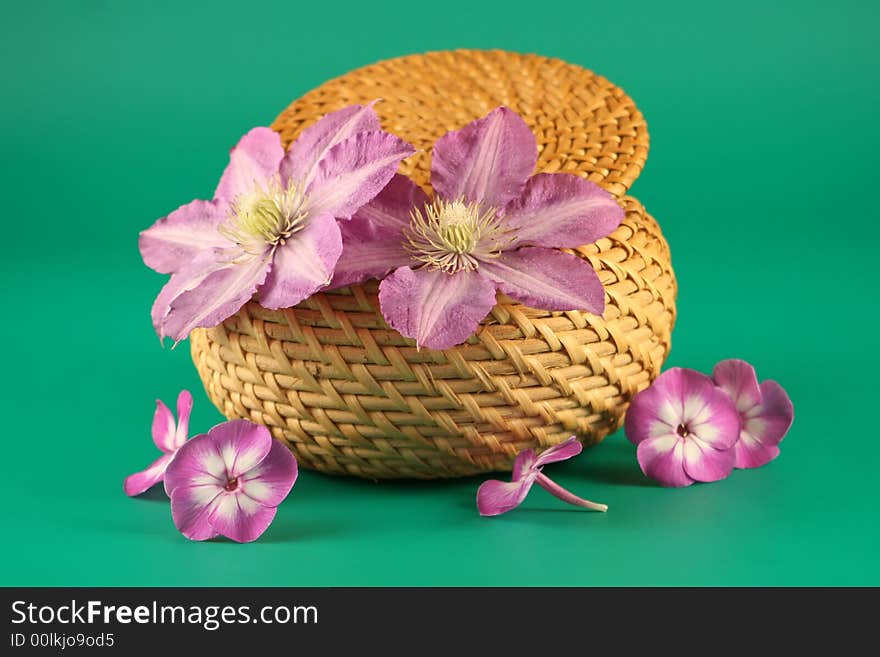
(350, 395)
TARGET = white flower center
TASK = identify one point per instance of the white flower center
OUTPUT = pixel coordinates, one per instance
(265, 218)
(454, 236)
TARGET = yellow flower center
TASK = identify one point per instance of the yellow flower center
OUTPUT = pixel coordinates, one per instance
(454, 236)
(265, 218)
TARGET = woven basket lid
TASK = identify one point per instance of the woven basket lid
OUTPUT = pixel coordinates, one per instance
(583, 123)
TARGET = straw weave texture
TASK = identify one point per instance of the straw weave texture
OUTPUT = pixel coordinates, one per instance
(352, 396)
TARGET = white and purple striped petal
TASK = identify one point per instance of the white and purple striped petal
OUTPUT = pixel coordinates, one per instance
(300, 164)
(354, 171)
(487, 162)
(545, 278)
(171, 243)
(436, 309)
(252, 163)
(562, 210)
(303, 265)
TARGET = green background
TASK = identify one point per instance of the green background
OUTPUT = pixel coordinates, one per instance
(762, 172)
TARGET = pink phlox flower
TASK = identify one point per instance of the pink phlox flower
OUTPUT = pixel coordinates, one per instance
(168, 437)
(496, 497)
(765, 412)
(229, 482)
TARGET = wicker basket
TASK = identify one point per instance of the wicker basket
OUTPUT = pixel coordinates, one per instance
(352, 396)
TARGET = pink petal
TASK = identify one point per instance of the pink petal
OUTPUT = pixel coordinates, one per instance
(368, 251)
(547, 279)
(662, 458)
(562, 210)
(172, 242)
(140, 482)
(524, 464)
(197, 463)
(240, 518)
(270, 481)
(191, 508)
(300, 163)
(253, 161)
(738, 379)
(303, 264)
(436, 309)
(164, 429)
(496, 497)
(764, 426)
(372, 242)
(487, 162)
(354, 171)
(703, 462)
(393, 206)
(561, 452)
(198, 299)
(184, 408)
(241, 444)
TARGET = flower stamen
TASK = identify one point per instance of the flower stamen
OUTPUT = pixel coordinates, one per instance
(265, 218)
(454, 236)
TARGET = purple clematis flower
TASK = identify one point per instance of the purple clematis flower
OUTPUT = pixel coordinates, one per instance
(684, 427)
(229, 482)
(496, 497)
(271, 228)
(168, 437)
(491, 226)
(765, 412)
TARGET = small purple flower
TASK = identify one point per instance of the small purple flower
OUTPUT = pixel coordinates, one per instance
(684, 427)
(765, 412)
(496, 497)
(491, 226)
(271, 228)
(168, 438)
(229, 482)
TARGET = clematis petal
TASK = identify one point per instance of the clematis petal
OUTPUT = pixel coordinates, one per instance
(164, 429)
(172, 242)
(436, 309)
(496, 497)
(562, 210)
(738, 379)
(764, 426)
(303, 264)
(372, 242)
(703, 462)
(548, 279)
(393, 206)
(239, 517)
(191, 508)
(524, 464)
(662, 458)
(197, 463)
(139, 482)
(561, 452)
(354, 171)
(184, 408)
(200, 299)
(270, 481)
(253, 161)
(301, 161)
(368, 251)
(487, 162)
